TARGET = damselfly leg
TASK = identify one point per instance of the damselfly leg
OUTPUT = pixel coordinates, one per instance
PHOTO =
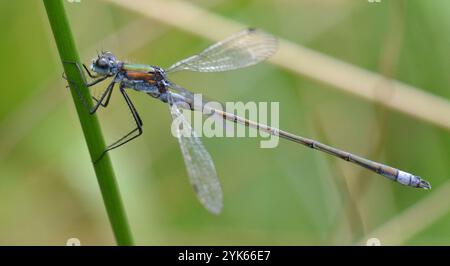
(103, 101)
(105, 96)
(136, 132)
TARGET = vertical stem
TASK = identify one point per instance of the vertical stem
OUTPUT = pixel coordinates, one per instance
(89, 123)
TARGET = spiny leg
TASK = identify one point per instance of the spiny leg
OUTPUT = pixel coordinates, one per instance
(108, 97)
(104, 101)
(130, 135)
(80, 70)
(106, 94)
(88, 84)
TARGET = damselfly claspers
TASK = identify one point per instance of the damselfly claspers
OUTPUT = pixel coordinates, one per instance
(243, 49)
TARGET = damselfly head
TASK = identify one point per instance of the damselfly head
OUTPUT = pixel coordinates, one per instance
(104, 64)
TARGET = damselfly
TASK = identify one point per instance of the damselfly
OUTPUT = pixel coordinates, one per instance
(243, 49)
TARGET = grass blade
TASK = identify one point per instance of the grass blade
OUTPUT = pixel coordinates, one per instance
(89, 123)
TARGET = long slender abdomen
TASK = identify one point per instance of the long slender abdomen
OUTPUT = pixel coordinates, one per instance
(392, 173)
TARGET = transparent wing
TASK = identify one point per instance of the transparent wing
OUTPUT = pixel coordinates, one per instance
(189, 96)
(243, 49)
(202, 173)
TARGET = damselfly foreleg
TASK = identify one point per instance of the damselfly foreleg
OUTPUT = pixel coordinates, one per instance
(106, 94)
(82, 73)
(136, 132)
(89, 84)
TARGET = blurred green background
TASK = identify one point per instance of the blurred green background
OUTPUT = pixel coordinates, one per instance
(290, 195)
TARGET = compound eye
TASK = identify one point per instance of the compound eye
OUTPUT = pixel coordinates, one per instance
(102, 62)
(110, 56)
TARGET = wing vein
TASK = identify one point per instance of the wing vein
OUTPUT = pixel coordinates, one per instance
(243, 49)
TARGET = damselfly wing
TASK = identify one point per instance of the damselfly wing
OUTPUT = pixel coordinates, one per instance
(243, 49)
(199, 164)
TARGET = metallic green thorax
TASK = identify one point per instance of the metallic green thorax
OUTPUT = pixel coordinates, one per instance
(138, 67)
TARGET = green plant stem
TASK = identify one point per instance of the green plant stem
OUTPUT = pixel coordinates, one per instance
(89, 123)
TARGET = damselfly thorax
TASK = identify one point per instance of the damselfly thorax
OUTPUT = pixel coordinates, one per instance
(143, 78)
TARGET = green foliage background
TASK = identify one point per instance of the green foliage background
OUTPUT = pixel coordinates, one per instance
(284, 196)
